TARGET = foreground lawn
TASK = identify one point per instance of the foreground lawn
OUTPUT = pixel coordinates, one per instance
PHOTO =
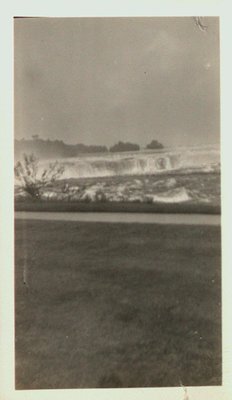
(117, 305)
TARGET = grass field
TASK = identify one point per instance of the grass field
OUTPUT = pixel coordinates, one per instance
(117, 305)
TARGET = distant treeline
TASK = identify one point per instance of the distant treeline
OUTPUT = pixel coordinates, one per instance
(57, 148)
(127, 146)
(124, 146)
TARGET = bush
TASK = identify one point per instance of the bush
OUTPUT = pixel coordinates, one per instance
(154, 145)
(31, 181)
(124, 146)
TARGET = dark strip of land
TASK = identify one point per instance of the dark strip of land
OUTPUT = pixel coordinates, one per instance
(116, 207)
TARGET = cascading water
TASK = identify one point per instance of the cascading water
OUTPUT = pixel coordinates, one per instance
(141, 163)
(187, 175)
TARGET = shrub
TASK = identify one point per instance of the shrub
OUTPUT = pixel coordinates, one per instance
(154, 145)
(31, 181)
(124, 146)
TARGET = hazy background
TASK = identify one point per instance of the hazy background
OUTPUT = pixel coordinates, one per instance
(100, 80)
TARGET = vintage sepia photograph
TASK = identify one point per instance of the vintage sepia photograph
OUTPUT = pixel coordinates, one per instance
(117, 196)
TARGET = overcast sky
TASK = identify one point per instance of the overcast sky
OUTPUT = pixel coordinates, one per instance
(100, 80)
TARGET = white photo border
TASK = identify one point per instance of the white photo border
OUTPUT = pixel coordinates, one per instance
(104, 8)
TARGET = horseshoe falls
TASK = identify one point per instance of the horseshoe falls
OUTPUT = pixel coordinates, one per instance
(173, 175)
(184, 160)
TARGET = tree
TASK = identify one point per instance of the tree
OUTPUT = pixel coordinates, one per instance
(26, 171)
(124, 146)
(154, 145)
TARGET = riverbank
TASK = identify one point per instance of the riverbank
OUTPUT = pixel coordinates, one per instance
(129, 207)
(163, 193)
